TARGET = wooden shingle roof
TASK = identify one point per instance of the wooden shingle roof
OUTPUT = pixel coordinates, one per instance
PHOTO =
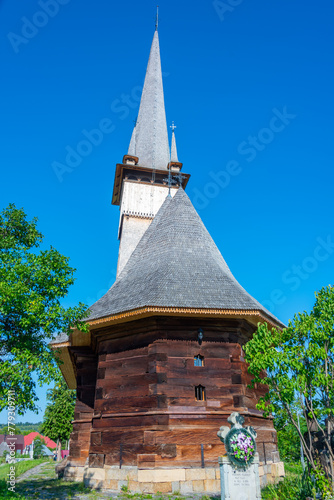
(176, 265)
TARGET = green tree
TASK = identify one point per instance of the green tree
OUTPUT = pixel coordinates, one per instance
(288, 442)
(59, 412)
(297, 366)
(288, 439)
(38, 447)
(4, 430)
(32, 284)
(28, 427)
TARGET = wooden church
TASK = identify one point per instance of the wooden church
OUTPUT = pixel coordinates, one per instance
(162, 366)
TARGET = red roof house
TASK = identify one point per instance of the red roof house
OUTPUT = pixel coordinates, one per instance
(33, 435)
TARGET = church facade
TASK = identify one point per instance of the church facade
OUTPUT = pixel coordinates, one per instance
(162, 366)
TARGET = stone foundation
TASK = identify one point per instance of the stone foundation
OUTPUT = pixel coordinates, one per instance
(184, 481)
(271, 473)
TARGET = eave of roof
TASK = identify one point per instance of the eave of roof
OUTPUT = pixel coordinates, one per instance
(253, 316)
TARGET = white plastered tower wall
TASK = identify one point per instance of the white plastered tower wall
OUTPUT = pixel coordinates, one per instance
(140, 203)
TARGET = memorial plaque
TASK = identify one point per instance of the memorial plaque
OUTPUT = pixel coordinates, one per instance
(239, 468)
(239, 484)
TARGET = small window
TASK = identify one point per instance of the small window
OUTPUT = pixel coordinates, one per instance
(200, 393)
(199, 360)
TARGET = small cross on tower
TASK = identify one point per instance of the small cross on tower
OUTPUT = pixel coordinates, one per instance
(171, 182)
(179, 178)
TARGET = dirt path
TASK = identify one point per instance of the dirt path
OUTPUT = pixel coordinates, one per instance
(31, 472)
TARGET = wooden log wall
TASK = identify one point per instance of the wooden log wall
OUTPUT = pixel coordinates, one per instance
(86, 366)
(146, 413)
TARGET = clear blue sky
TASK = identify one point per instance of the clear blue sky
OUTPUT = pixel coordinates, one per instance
(231, 70)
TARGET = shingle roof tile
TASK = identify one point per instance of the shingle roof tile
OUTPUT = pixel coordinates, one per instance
(176, 264)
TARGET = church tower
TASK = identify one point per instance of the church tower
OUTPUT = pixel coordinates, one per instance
(141, 181)
(162, 366)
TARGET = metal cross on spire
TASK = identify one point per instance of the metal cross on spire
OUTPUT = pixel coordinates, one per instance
(157, 19)
(173, 127)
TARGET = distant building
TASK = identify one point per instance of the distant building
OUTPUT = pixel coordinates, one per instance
(29, 438)
(4, 447)
(46, 452)
(17, 439)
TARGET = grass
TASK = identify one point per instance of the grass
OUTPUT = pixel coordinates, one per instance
(125, 495)
(48, 471)
(293, 487)
(44, 488)
(293, 469)
(20, 467)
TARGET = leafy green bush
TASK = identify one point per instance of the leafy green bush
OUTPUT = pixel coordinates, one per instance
(5, 493)
(294, 487)
(288, 443)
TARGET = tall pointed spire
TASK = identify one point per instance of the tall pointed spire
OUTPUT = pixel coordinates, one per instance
(173, 152)
(150, 139)
(132, 146)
